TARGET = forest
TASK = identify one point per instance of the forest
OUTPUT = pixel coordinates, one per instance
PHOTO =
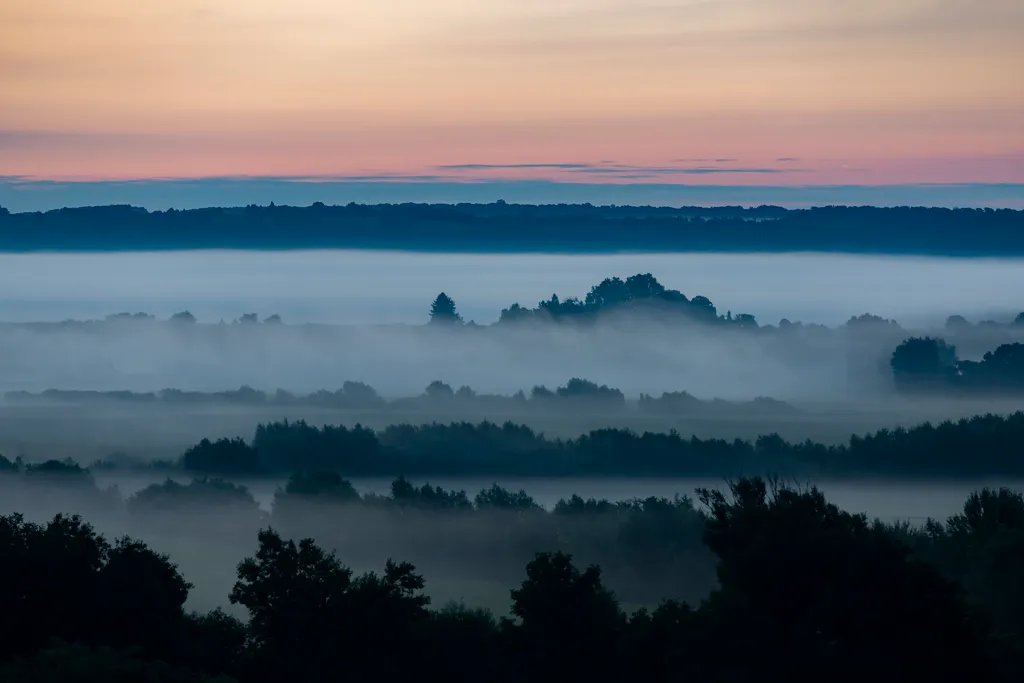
(983, 445)
(575, 395)
(797, 589)
(501, 227)
(189, 578)
(919, 365)
(928, 364)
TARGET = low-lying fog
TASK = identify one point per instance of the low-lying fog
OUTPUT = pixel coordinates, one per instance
(90, 432)
(837, 380)
(634, 355)
(473, 557)
(887, 500)
(357, 288)
(360, 287)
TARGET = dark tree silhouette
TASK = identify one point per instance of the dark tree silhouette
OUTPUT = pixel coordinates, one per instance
(360, 393)
(644, 286)
(63, 581)
(805, 591)
(321, 485)
(170, 496)
(443, 312)
(150, 614)
(610, 292)
(703, 308)
(224, 456)
(310, 617)
(999, 370)
(577, 388)
(570, 622)
(868, 320)
(982, 548)
(924, 363)
(502, 499)
(183, 317)
(63, 663)
(957, 322)
(439, 391)
(560, 228)
(811, 583)
(488, 449)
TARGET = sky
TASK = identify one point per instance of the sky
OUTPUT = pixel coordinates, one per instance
(684, 93)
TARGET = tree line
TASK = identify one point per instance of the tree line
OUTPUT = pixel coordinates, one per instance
(501, 227)
(930, 364)
(982, 445)
(803, 590)
(638, 295)
(650, 546)
(577, 393)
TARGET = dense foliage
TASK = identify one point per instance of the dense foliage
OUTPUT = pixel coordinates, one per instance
(640, 295)
(804, 590)
(523, 228)
(575, 395)
(985, 445)
(923, 364)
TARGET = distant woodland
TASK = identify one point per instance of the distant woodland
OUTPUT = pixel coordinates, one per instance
(917, 364)
(637, 296)
(984, 445)
(501, 227)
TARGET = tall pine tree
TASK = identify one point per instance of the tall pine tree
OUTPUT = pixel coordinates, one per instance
(442, 311)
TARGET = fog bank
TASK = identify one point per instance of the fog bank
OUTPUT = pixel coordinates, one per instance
(373, 287)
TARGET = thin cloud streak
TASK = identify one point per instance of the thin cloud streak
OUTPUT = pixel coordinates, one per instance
(617, 170)
(490, 167)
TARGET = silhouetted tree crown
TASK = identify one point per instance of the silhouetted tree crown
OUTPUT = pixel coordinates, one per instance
(833, 590)
(183, 317)
(442, 311)
(798, 580)
(957, 322)
(923, 361)
(637, 292)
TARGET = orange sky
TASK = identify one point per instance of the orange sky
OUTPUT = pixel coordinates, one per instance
(695, 91)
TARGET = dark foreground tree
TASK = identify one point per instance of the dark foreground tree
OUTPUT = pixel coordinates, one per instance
(806, 592)
(63, 581)
(63, 663)
(571, 623)
(982, 548)
(813, 591)
(310, 618)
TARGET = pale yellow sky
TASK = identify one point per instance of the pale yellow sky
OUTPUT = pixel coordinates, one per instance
(199, 87)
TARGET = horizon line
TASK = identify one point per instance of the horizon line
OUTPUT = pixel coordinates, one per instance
(23, 194)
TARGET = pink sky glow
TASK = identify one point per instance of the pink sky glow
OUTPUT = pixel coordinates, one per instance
(698, 92)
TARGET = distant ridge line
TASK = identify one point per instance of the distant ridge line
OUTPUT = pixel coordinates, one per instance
(522, 228)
